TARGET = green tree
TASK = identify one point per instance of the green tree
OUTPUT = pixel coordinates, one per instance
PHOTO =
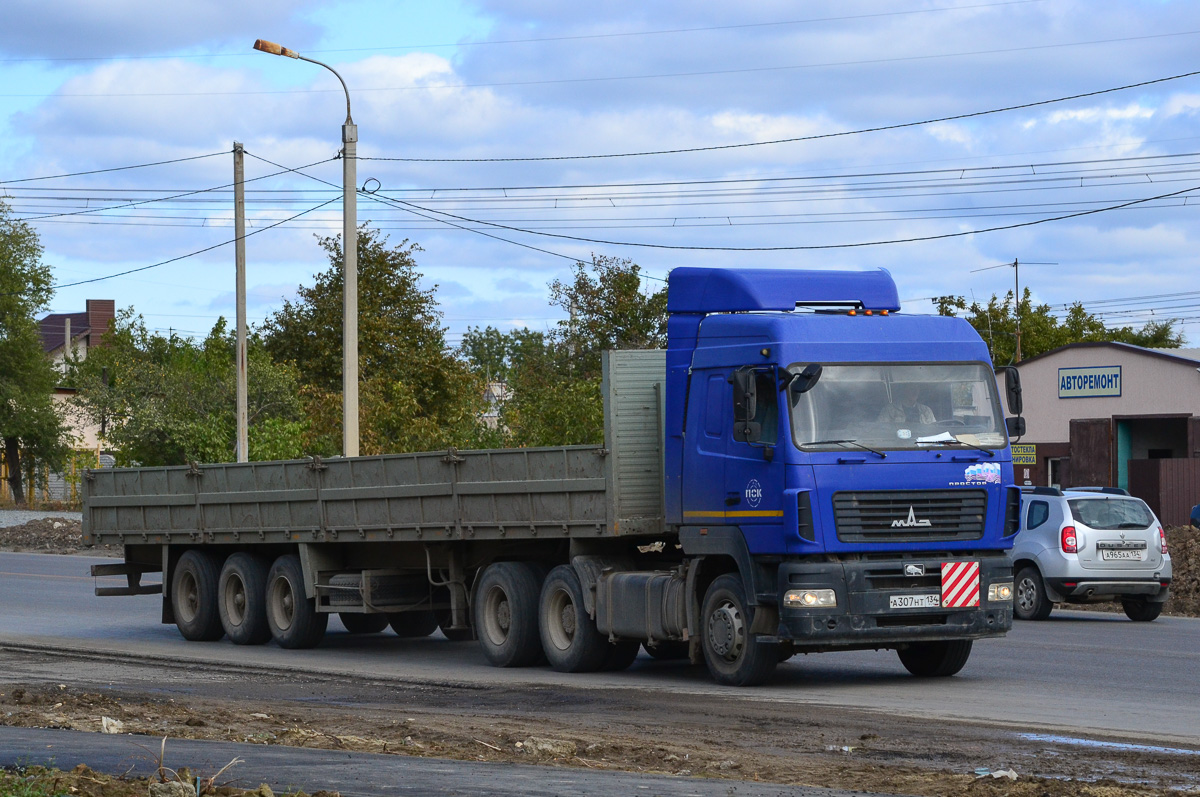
(413, 393)
(554, 381)
(1041, 331)
(169, 400)
(31, 427)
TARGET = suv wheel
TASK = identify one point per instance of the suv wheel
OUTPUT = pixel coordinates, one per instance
(1141, 610)
(1030, 601)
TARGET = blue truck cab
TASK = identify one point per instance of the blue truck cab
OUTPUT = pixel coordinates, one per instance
(854, 461)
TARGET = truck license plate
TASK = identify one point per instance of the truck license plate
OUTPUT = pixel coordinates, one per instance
(930, 601)
(1109, 555)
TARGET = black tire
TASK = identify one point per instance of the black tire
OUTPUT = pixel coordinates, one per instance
(242, 600)
(194, 590)
(569, 636)
(293, 618)
(734, 657)
(357, 623)
(1141, 610)
(620, 655)
(413, 625)
(935, 659)
(668, 650)
(1030, 601)
(506, 614)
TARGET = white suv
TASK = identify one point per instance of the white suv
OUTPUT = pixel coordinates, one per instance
(1087, 545)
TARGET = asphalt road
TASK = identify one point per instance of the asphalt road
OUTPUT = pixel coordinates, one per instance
(1076, 672)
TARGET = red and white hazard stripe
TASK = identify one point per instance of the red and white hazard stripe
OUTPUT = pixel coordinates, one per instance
(960, 584)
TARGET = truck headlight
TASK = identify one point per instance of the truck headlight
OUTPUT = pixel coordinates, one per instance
(1000, 592)
(809, 598)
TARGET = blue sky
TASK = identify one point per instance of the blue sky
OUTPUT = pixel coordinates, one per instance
(95, 86)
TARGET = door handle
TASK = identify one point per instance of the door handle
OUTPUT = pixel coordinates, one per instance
(733, 499)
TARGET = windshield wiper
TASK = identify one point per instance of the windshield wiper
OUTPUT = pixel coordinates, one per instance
(956, 441)
(879, 454)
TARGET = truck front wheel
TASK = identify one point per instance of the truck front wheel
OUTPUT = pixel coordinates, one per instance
(506, 614)
(569, 636)
(194, 596)
(734, 657)
(243, 599)
(294, 619)
(935, 659)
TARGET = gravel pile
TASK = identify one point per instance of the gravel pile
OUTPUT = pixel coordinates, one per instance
(62, 535)
(18, 517)
(1183, 543)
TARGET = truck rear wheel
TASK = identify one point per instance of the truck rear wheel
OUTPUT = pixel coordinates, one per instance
(734, 657)
(293, 618)
(243, 599)
(194, 596)
(506, 614)
(569, 637)
(363, 623)
(413, 625)
(667, 650)
(935, 659)
(620, 655)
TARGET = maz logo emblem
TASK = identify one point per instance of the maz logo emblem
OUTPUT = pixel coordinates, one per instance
(912, 521)
(914, 570)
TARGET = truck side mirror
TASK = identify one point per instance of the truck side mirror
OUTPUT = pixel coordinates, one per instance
(1012, 389)
(745, 406)
(1015, 426)
(807, 379)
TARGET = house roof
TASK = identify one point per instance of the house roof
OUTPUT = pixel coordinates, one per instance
(54, 327)
(1183, 356)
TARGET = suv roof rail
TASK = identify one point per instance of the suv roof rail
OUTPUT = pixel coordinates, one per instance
(1108, 490)
(1041, 490)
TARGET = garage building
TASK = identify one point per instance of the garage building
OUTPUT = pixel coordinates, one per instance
(1112, 414)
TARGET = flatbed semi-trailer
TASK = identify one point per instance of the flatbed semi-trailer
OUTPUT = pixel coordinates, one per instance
(763, 489)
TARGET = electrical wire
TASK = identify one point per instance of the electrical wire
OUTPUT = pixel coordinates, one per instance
(814, 137)
(114, 168)
(189, 254)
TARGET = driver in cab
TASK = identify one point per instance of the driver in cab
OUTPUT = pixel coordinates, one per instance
(905, 408)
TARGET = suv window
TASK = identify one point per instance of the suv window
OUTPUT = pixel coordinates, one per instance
(1111, 513)
(1039, 513)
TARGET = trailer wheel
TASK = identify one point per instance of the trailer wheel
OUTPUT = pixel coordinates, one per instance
(569, 636)
(506, 614)
(243, 599)
(412, 625)
(734, 657)
(194, 597)
(294, 619)
(935, 659)
(357, 623)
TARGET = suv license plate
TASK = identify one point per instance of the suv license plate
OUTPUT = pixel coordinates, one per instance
(1111, 556)
(931, 601)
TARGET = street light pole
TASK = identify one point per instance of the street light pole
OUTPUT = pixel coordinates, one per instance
(349, 258)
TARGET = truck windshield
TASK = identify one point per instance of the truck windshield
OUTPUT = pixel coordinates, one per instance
(899, 406)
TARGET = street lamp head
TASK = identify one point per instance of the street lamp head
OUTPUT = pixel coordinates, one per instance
(274, 49)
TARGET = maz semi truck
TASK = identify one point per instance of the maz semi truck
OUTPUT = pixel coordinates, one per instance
(803, 469)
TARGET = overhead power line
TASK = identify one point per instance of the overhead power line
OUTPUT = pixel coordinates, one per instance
(577, 37)
(193, 254)
(114, 168)
(814, 137)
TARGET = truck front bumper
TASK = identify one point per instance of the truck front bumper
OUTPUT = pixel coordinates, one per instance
(864, 616)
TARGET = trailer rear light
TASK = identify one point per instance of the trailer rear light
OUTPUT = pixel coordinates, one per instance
(1162, 540)
(1069, 542)
(809, 598)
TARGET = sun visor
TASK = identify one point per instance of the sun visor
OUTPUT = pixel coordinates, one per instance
(722, 290)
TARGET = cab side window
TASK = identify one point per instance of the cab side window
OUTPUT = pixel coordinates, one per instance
(1039, 512)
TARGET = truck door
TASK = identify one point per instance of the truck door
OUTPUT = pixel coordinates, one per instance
(705, 440)
(753, 475)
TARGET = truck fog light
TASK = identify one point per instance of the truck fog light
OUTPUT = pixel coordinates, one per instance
(809, 598)
(1000, 592)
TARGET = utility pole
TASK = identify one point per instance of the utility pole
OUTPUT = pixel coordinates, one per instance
(1016, 267)
(239, 248)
